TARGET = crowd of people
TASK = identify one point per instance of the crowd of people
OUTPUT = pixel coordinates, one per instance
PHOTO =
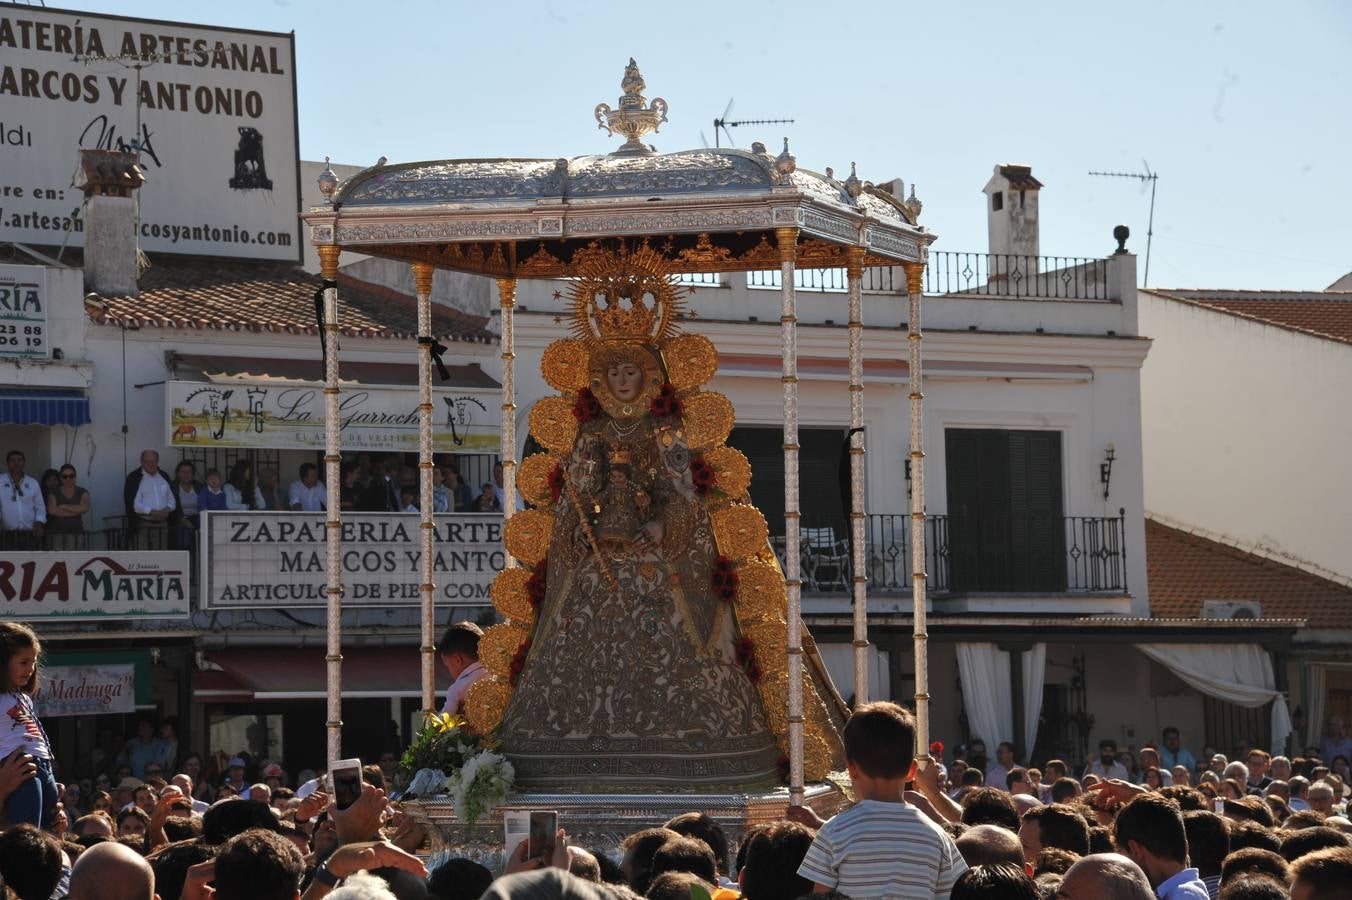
(163, 511)
(1258, 829)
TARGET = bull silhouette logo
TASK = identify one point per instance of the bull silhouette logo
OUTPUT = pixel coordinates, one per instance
(250, 172)
(460, 416)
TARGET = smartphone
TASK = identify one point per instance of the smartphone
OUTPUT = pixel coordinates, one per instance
(534, 827)
(346, 777)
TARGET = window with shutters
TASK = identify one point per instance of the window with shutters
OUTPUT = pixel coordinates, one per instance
(819, 470)
(1006, 530)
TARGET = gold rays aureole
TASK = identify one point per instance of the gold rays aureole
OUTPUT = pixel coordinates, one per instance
(532, 478)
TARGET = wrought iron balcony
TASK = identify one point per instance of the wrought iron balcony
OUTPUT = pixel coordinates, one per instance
(1001, 275)
(1026, 554)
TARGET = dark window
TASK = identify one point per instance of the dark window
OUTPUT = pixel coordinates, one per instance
(1005, 525)
(818, 475)
(997, 201)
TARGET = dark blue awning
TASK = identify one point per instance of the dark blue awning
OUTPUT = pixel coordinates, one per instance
(25, 406)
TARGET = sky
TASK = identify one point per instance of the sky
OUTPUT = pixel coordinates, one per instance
(1241, 108)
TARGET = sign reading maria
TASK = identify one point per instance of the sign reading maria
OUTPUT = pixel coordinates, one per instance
(94, 585)
(212, 115)
(270, 559)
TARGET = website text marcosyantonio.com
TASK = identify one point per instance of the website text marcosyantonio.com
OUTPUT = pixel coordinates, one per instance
(173, 233)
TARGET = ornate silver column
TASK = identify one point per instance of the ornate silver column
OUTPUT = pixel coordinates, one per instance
(333, 518)
(507, 300)
(788, 330)
(915, 273)
(854, 270)
(422, 280)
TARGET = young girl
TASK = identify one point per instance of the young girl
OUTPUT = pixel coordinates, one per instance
(34, 801)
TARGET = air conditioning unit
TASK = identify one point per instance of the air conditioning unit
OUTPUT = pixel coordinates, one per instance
(1232, 609)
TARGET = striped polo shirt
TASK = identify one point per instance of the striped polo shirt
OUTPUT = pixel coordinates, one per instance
(890, 851)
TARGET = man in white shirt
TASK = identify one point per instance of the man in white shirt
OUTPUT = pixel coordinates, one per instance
(308, 494)
(23, 512)
(1107, 766)
(997, 773)
(459, 652)
(150, 500)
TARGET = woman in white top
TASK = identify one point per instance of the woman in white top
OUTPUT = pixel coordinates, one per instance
(241, 492)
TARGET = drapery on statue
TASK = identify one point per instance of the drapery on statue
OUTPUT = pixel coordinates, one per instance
(645, 647)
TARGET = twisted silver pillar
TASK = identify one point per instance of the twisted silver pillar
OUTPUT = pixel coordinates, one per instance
(422, 280)
(507, 300)
(854, 270)
(914, 285)
(333, 517)
(788, 330)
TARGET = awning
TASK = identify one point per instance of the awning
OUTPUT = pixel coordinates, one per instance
(25, 406)
(267, 673)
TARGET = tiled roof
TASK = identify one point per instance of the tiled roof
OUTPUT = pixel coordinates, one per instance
(274, 298)
(1186, 569)
(1020, 177)
(1326, 314)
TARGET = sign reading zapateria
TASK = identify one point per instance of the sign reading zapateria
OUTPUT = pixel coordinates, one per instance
(217, 136)
(94, 585)
(277, 559)
(282, 415)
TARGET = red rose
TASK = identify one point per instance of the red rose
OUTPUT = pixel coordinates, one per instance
(519, 662)
(536, 584)
(744, 650)
(702, 475)
(586, 407)
(556, 482)
(937, 748)
(724, 579)
(666, 404)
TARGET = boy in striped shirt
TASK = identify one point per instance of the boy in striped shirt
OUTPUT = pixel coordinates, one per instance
(882, 847)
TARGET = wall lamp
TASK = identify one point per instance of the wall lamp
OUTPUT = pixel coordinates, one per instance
(1106, 471)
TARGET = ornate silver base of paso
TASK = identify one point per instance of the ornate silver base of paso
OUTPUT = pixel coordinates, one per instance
(598, 822)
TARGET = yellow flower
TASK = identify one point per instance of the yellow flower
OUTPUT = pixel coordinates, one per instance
(444, 722)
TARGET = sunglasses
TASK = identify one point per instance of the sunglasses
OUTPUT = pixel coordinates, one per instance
(70, 477)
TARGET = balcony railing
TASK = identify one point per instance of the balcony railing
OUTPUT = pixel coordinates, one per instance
(1000, 275)
(1075, 554)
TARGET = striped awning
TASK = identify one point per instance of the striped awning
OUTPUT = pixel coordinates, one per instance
(26, 406)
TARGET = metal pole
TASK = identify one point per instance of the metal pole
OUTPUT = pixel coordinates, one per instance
(507, 299)
(854, 270)
(915, 275)
(788, 329)
(333, 524)
(422, 279)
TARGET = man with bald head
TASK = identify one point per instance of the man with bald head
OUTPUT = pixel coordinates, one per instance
(1104, 876)
(984, 845)
(111, 871)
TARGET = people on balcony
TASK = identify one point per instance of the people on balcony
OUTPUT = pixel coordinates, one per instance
(241, 491)
(150, 502)
(186, 487)
(308, 494)
(66, 507)
(212, 495)
(23, 513)
(269, 488)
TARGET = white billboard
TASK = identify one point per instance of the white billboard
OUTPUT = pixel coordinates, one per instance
(23, 312)
(217, 132)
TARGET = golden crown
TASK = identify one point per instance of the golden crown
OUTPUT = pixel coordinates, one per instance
(624, 295)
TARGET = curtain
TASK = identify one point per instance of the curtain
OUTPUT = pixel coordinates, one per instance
(1237, 673)
(988, 697)
(1316, 687)
(1034, 675)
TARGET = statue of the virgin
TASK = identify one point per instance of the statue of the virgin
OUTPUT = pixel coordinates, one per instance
(645, 647)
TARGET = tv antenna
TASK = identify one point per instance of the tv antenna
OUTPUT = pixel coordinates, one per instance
(723, 123)
(1147, 177)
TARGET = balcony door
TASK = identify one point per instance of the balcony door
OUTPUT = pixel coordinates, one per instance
(819, 484)
(1005, 519)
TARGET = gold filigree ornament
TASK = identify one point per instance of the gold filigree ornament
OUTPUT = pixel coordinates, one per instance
(761, 593)
(527, 535)
(564, 365)
(624, 295)
(553, 424)
(732, 471)
(739, 530)
(532, 478)
(816, 757)
(709, 418)
(485, 702)
(691, 361)
(774, 694)
(498, 645)
(510, 596)
(771, 639)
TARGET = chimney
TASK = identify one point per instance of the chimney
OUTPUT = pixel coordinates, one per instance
(109, 179)
(1011, 211)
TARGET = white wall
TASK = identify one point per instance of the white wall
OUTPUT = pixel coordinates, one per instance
(1246, 430)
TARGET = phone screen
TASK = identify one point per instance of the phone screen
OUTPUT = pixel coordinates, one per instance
(544, 824)
(346, 787)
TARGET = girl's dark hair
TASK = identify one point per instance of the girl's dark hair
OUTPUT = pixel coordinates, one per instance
(15, 636)
(242, 477)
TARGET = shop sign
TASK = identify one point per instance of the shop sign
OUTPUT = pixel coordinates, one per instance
(23, 312)
(94, 585)
(88, 690)
(290, 416)
(267, 560)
